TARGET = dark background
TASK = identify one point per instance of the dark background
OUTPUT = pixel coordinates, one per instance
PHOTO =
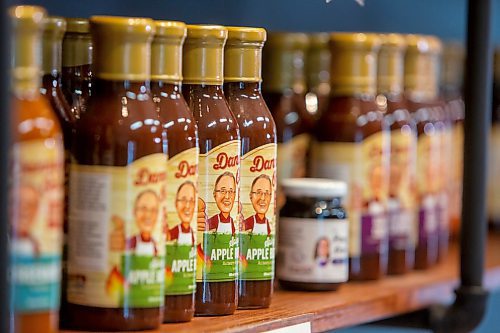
(445, 18)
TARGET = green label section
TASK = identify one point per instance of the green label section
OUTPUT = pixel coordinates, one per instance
(256, 257)
(144, 276)
(180, 270)
(220, 257)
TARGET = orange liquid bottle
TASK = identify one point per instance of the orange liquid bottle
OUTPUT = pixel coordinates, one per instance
(37, 184)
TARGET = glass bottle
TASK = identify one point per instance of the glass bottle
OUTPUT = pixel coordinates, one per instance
(318, 73)
(182, 170)
(118, 188)
(352, 144)
(242, 86)
(37, 189)
(77, 64)
(401, 204)
(219, 171)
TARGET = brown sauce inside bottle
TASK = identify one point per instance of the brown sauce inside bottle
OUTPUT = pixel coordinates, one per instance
(120, 126)
(182, 136)
(216, 126)
(77, 64)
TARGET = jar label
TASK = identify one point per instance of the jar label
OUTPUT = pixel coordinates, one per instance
(219, 213)
(117, 217)
(182, 201)
(292, 157)
(428, 184)
(258, 189)
(401, 203)
(493, 172)
(364, 166)
(321, 257)
(36, 235)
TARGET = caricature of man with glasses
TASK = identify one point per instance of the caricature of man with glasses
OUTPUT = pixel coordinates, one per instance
(260, 196)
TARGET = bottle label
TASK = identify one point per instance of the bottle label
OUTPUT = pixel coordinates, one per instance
(257, 237)
(36, 236)
(364, 166)
(428, 184)
(219, 213)
(321, 257)
(292, 157)
(493, 173)
(182, 201)
(401, 203)
(117, 217)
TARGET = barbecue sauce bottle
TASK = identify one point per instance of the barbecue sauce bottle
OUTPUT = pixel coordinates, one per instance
(182, 170)
(318, 74)
(242, 86)
(452, 75)
(77, 64)
(219, 171)
(401, 204)
(118, 188)
(284, 89)
(353, 145)
(37, 189)
(421, 90)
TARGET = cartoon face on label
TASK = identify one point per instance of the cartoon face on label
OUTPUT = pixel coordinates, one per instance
(185, 202)
(224, 192)
(260, 194)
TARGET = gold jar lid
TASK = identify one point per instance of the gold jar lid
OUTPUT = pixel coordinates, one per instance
(77, 43)
(166, 51)
(354, 63)
(390, 68)
(284, 62)
(452, 66)
(422, 63)
(203, 54)
(53, 34)
(27, 27)
(318, 63)
(243, 54)
(122, 47)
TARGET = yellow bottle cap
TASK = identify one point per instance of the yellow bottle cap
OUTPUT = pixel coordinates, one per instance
(422, 67)
(77, 43)
(52, 44)
(318, 63)
(203, 54)
(243, 54)
(284, 62)
(452, 66)
(166, 51)
(354, 63)
(390, 69)
(122, 47)
(27, 26)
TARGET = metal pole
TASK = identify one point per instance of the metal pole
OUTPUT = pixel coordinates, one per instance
(478, 83)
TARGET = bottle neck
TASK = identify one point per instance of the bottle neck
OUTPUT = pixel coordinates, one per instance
(284, 69)
(26, 61)
(166, 87)
(139, 90)
(52, 56)
(247, 88)
(166, 60)
(76, 50)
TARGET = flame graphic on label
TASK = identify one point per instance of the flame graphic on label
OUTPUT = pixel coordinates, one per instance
(115, 283)
(203, 260)
(243, 262)
(169, 277)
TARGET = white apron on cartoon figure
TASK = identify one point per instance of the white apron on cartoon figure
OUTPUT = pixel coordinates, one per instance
(24, 247)
(185, 238)
(259, 228)
(224, 228)
(144, 248)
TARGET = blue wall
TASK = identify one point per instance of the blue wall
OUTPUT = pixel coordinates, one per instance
(445, 18)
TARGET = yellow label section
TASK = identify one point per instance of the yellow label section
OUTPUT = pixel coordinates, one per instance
(182, 192)
(37, 198)
(116, 234)
(219, 213)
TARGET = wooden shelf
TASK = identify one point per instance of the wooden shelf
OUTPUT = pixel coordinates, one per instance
(354, 303)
